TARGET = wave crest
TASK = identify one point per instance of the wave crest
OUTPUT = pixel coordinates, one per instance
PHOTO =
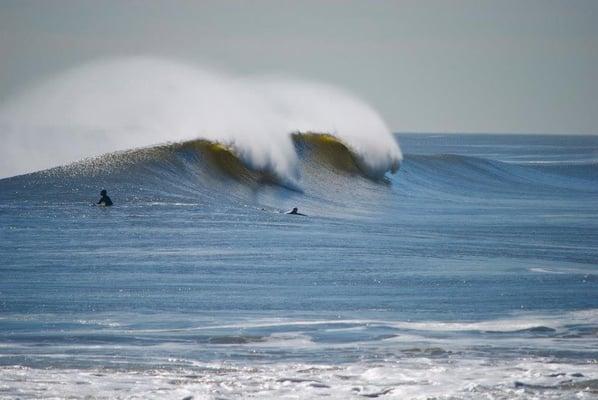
(137, 102)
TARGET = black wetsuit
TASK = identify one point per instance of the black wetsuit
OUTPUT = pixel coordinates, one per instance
(105, 200)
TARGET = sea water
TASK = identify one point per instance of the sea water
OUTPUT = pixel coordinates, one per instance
(471, 273)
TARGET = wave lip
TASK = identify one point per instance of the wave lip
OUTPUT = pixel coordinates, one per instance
(342, 155)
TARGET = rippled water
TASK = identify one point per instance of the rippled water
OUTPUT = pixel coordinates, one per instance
(471, 273)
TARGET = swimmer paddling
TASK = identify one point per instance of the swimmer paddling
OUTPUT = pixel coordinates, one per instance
(104, 200)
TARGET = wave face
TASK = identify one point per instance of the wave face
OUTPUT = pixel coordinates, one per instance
(124, 104)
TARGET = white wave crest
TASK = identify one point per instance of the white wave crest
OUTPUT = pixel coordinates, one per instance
(135, 102)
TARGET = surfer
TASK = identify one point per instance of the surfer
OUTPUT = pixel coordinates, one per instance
(295, 211)
(104, 200)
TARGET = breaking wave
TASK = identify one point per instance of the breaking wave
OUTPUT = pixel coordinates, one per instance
(139, 102)
(381, 359)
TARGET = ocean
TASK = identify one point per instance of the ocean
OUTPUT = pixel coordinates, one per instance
(470, 273)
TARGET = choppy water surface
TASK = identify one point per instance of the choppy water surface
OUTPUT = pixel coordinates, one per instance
(471, 273)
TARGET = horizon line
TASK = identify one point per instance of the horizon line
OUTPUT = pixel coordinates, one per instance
(491, 133)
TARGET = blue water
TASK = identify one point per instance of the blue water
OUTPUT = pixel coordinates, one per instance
(471, 272)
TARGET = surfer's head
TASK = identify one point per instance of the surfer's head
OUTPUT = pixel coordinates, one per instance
(295, 209)
(103, 192)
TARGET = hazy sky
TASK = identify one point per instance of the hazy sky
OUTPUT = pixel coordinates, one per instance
(426, 66)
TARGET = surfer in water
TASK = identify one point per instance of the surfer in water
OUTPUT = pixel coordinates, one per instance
(104, 200)
(295, 211)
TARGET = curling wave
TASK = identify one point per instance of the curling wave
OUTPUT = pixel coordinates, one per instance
(129, 103)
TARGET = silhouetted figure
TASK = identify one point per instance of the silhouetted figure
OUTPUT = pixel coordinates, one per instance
(295, 211)
(104, 200)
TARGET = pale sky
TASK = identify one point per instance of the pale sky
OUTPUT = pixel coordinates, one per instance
(426, 66)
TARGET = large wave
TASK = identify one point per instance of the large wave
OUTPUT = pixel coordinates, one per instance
(130, 103)
(334, 180)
